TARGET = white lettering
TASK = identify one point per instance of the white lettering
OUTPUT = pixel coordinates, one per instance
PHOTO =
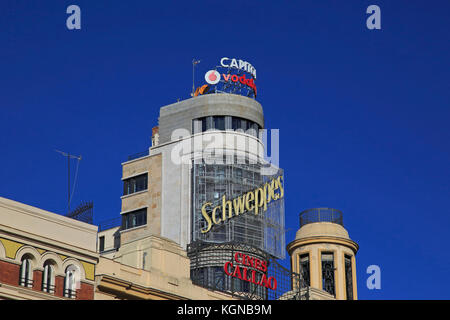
(222, 62)
(374, 21)
(74, 20)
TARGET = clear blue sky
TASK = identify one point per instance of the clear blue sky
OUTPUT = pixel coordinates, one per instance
(363, 115)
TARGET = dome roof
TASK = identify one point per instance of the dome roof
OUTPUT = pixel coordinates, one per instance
(320, 229)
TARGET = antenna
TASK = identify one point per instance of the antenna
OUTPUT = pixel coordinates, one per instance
(70, 156)
(194, 62)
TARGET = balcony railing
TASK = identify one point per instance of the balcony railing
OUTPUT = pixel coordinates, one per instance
(109, 224)
(25, 282)
(49, 288)
(321, 215)
(69, 293)
(138, 155)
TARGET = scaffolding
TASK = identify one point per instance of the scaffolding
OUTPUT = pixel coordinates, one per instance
(210, 182)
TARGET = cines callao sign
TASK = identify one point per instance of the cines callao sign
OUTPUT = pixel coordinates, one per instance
(251, 269)
(255, 201)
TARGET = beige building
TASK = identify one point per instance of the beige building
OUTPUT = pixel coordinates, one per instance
(44, 255)
(149, 257)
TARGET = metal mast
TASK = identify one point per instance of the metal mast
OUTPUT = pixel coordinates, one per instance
(194, 62)
(69, 156)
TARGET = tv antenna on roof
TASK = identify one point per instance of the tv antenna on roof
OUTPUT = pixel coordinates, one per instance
(70, 156)
(194, 62)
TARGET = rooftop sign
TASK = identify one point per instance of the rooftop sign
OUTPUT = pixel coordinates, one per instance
(231, 76)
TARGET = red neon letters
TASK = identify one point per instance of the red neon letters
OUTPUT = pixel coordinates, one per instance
(256, 275)
(235, 78)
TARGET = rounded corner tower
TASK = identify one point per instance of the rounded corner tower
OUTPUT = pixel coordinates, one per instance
(213, 160)
(324, 254)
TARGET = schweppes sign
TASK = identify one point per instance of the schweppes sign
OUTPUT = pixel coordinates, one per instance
(255, 201)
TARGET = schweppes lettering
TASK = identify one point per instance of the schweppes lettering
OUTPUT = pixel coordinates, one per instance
(255, 201)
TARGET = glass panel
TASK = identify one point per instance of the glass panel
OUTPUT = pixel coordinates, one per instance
(134, 219)
(135, 184)
(304, 269)
(219, 123)
(348, 277)
(328, 273)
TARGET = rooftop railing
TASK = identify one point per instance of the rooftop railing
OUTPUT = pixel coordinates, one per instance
(138, 155)
(321, 215)
(109, 224)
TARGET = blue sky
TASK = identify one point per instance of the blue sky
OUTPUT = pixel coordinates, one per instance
(363, 114)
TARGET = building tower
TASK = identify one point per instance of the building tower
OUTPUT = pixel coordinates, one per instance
(205, 190)
(324, 255)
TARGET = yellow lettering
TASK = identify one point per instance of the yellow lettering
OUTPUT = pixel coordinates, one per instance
(226, 203)
(214, 215)
(281, 186)
(260, 199)
(249, 197)
(238, 204)
(206, 216)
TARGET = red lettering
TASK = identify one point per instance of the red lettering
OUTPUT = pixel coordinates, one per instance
(253, 280)
(264, 266)
(225, 267)
(226, 76)
(244, 276)
(263, 281)
(234, 78)
(272, 283)
(236, 257)
(237, 273)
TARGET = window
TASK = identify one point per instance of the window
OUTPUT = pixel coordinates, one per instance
(134, 219)
(236, 123)
(101, 244)
(70, 282)
(135, 184)
(48, 278)
(328, 272)
(304, 270)
(219, 123)
(203, 124)
(226, 123)
(26, 273)
(218, 278)
(348, 277)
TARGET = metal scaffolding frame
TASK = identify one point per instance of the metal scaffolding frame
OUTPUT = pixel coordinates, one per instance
(211, 181)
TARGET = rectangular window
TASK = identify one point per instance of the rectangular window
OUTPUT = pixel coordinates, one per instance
(134, 219)
(348, 277)
(328, 272)
(219, 123)
(304, 270)
(203, 124)
(135, 184)
(101, 244)
(236, 123)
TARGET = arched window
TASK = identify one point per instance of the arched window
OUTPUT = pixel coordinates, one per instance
(48, 278)
(70, 283)
(26, 272)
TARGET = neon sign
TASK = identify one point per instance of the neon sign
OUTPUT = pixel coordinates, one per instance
(250, 269)
(238, 64)
(255, 200)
